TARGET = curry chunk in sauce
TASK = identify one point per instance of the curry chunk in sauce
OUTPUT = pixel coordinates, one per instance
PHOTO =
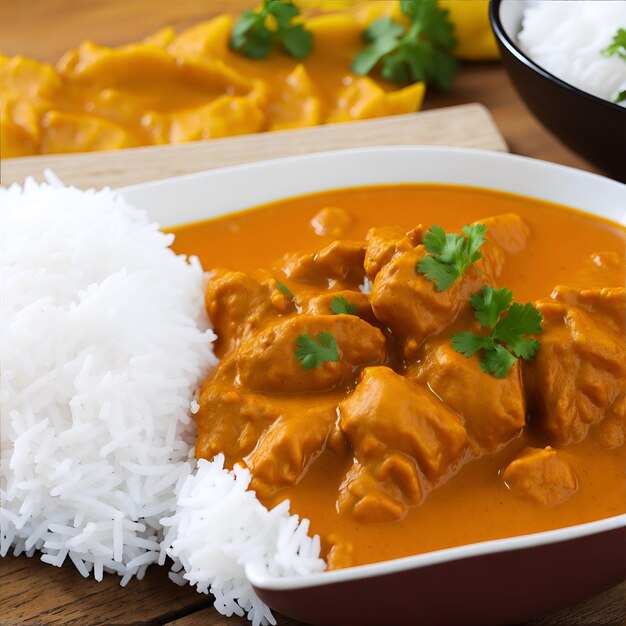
(400, 411)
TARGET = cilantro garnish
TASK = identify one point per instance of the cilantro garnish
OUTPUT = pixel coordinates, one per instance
(450, 254)
(340, 306)
(252, 37)
(313, 353)
(620, 97)
(284, 289)
(421, 52)
(618, 47)
(506, 342)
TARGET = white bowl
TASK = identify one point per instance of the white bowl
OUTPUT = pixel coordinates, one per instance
(507, 580)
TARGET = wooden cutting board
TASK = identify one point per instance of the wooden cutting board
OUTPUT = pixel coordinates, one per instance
(468, 125)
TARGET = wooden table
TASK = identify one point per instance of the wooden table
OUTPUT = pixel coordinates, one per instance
(33, 593)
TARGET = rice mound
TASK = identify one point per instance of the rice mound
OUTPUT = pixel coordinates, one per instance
(220, 528)
(104, 340)
(566, 38)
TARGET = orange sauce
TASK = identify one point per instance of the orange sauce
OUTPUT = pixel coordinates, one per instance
(474, 505)
(173, 88)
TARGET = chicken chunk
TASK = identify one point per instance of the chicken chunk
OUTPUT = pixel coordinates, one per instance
(240, 304)
(387, 413)
(339, 261)
(331, 222)
(506, 234)
(231, 421)
(320, 304)
(579, 373)
(385, 242)
(267, 362)
(542, 476)
(493, 409)
(396, 429)
(340, 554)
(287, 448)
(381, 492)
(410, 305)
(611, 431)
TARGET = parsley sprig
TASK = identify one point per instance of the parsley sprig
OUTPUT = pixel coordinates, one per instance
(450, 254)
(421, 52)
(618, 48)
(618, 45)
(340, 306)
(312, 353)
(507, 341)
(252, 37)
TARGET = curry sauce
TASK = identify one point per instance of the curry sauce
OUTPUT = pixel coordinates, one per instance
(404, 445)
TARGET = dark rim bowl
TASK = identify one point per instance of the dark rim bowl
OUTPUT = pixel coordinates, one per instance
(591, 126)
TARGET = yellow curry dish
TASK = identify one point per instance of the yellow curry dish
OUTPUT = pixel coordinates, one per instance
(417, 367)
(270, 68)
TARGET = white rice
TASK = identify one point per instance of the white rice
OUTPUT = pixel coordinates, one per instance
(104, 339)
(220, 528)
(566, 37)
(103, 343)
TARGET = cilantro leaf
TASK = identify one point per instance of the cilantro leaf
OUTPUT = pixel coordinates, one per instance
(497, 361)
(284, 289)
(521, 319)
(509, 322)
(489, 305)
(620, 97)
(450, 253)
(313, 353)
(618, 47)
(440, 273)
(468, 343)
(252, 37)
(421, 52)
(340, 306)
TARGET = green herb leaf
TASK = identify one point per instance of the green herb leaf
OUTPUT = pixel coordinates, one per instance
(618, 47)
(509, 322)
(450, 253)
(620, 97)
(297, 41)
(490, 304)
(468, 343)
(252, 37)
(497, 361)
(421, 52)
(284, 289)
(340, 306)
(313, 353)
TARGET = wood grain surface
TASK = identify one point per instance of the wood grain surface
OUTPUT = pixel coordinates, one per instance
(467, 125)
(34, 593)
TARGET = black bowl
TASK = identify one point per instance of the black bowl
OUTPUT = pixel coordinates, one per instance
(590, 126)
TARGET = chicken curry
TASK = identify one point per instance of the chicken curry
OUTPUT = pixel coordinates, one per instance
(348, 385)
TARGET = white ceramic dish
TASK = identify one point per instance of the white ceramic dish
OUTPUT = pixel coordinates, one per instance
(503, 581)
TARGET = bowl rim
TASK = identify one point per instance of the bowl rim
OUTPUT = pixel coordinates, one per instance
(260, 579)
(503, 37)
(534, 178)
